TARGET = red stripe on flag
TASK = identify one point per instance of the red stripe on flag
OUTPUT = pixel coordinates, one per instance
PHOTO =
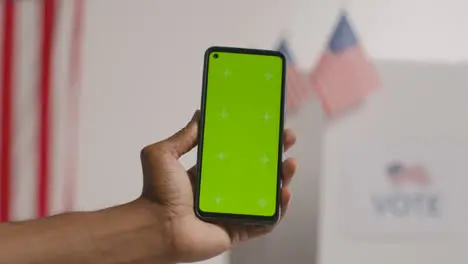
(7, 108)
(291, 84)
(73, 102)
(48, 19)
(316, 78)
(297, 88)
(343, 80)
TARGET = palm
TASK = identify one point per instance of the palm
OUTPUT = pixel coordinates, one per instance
(209, 239)
(168, 184)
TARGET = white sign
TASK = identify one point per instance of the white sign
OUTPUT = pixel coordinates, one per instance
(401, 189)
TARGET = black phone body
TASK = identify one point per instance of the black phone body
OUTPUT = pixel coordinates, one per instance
(240, 149)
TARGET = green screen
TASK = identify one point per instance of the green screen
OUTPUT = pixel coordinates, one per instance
(241, 134)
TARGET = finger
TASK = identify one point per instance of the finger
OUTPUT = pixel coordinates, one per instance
(185, 139)
(285, 200)
(289, 168)
(192, 173)
(289, 139)
(255, 231)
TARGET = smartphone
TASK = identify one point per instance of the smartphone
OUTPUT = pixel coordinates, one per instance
(240, 139)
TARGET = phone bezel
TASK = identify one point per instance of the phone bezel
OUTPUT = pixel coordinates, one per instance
(248, 219)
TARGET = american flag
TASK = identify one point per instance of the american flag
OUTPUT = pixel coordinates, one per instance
(39, 80)
(297, 84)
(343, 76)
(401, 175)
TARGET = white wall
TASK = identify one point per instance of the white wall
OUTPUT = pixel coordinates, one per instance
(143, 63)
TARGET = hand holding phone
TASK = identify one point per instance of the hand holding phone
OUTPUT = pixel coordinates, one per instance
(241, 136)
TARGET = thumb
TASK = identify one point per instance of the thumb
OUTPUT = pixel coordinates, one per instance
(186, 138)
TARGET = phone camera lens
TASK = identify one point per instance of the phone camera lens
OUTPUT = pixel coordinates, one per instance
(215, 56)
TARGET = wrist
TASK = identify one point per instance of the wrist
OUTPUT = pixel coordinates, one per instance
(160, 237)
(132, 233)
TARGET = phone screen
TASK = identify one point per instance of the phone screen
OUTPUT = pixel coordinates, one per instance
(241, 140)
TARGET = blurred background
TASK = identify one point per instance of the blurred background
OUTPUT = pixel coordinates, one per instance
(87, 84)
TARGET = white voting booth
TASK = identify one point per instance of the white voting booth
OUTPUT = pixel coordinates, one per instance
(394, 170)
(417, 121)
